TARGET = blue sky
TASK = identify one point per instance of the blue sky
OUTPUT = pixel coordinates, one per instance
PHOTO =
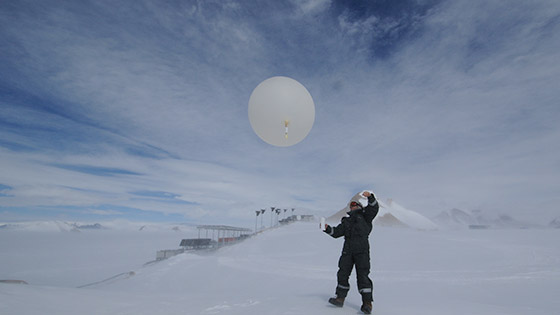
(138, 109)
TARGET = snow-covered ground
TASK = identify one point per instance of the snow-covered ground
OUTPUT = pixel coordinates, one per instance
(288, 270)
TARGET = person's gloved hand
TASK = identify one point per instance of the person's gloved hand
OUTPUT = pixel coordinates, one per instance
(370, 197)
(328, 229)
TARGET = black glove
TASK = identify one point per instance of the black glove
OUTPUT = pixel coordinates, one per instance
(371, 199)
(328, 229)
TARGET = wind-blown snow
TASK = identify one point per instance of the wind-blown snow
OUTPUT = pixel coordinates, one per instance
(407, 217)
(288, 270)
(390, 214)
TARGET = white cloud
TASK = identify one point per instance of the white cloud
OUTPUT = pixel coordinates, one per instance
(456, 115)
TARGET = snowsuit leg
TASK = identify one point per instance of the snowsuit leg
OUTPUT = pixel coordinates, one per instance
(345, 265)
(365, 285)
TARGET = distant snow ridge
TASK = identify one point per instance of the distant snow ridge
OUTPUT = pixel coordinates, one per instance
(393, 214)
(95, 226)
(42, 226)
(506, 221)
(63, 226)
(456, 218)
(555, 223)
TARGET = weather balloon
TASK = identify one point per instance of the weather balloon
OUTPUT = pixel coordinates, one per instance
(281, 111)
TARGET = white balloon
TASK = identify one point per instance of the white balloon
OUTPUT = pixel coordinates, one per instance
(281, 111)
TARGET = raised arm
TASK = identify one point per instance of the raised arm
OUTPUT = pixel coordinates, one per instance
(371, 210)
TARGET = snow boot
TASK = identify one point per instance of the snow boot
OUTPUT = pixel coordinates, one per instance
(366, 307)
(337, 301)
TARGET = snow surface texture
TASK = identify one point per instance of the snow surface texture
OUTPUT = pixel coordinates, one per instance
(287, 270)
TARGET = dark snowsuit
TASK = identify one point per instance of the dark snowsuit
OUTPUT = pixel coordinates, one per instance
(355, 229)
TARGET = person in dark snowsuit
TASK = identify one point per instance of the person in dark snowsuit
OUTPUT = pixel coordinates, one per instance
(356, 229)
